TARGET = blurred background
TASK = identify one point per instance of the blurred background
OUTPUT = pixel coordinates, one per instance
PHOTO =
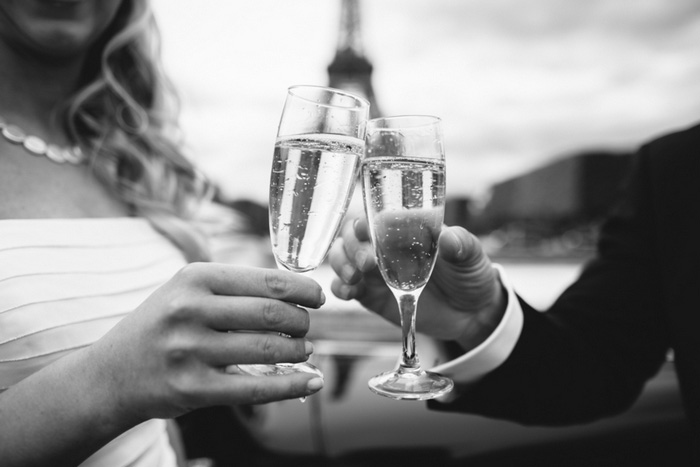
(543, 103)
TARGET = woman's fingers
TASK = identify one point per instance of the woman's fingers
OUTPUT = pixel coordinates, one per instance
(225, 313)
(223, 279)
(228, 386)
(230, 389)
(229, 348)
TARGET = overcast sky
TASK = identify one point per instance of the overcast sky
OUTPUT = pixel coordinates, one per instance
(516, 82)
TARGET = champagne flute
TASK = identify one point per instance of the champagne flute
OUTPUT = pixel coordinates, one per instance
(403, 179)
(319, 147)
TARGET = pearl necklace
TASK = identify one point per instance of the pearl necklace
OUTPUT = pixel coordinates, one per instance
(38, 147)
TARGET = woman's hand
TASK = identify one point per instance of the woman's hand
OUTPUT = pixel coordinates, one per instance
(170, 355)
(463, 300)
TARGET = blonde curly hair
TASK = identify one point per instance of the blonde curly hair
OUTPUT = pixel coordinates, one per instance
(124, 117)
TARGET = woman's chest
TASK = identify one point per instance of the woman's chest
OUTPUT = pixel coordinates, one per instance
(41, 189)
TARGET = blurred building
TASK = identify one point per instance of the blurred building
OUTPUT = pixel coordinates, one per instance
(554, 210)
(572, 190)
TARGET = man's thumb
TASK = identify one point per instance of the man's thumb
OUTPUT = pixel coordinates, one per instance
(457, 245)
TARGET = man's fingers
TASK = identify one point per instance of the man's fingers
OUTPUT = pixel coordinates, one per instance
(349, 256)
(361, 229)
(457, 246)
(358, 247)
(345, 291)
(341, 265)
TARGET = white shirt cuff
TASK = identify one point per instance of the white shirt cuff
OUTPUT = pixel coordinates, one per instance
(488, 355)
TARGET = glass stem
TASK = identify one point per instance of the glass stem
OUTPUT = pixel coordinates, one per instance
(408, 302)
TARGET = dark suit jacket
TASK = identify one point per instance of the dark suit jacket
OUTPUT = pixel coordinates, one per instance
(591, 353)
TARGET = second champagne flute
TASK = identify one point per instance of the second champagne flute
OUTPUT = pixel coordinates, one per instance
(319, 147)
(403, 177)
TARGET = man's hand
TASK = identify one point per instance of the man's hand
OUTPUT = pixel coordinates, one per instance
(463, 301)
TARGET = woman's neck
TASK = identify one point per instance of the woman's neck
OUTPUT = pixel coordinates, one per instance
(31, 89)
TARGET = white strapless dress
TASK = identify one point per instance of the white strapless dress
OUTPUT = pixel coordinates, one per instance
(63, 284)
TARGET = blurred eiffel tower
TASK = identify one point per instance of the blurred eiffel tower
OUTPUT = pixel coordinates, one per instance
(350, 70)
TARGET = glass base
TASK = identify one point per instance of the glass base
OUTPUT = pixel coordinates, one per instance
(280, 369)
(410, 385)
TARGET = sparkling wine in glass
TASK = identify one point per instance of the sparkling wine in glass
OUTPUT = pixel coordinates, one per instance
(403, 180)
(320, 144)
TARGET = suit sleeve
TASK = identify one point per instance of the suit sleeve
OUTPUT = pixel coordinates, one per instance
(591, 353)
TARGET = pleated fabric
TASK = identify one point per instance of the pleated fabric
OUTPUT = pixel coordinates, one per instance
(64, 283)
